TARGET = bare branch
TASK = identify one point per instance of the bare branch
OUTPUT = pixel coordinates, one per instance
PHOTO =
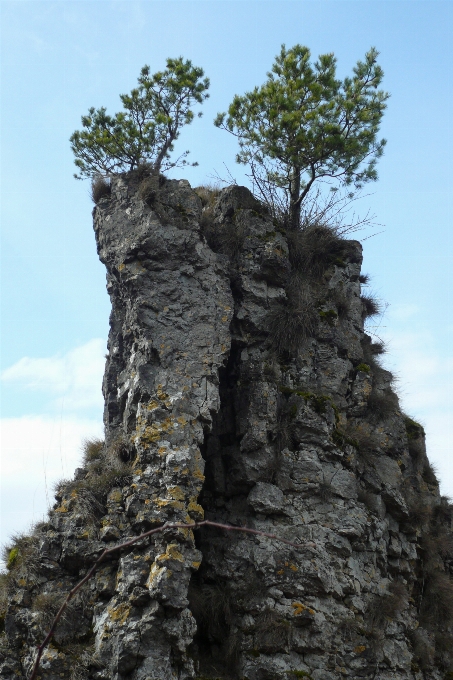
(136, 539)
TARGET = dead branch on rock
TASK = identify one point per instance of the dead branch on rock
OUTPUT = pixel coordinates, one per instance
(132, 541)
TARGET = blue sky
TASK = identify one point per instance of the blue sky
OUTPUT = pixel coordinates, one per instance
(59, 58)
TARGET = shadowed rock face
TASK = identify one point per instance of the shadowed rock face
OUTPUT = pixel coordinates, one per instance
(212, 410)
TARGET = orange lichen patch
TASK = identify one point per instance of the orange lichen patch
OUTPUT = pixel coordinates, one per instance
(195, 510)
(186, 533)
(181, 420)
(121, 267)
(152, 405)
(359, 649)
(293, 567)
(115, 496)
(120, 613)
(176, 492)
(280, 572)
(160, 393)
(197, 470)
(196, 565)
(224, 318)
(167, 503)
(299, 608)
(64, 507)
(153, 432)
(171, 553)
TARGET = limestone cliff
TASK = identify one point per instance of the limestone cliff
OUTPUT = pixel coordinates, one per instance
(240, 386)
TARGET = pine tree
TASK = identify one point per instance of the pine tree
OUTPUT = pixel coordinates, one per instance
(305, 125)
(145, 131)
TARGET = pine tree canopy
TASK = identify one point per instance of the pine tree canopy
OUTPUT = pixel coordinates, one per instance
(145, 131)
(304, 124)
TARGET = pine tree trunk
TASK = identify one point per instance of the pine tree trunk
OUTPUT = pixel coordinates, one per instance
(294, 203)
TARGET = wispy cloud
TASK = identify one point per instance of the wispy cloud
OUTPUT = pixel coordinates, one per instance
(36, 452)
(75, 376)
(39, 449)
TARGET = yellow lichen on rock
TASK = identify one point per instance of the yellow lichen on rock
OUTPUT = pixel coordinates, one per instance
(119, 613)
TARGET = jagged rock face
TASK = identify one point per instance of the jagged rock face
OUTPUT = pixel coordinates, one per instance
(240, 387)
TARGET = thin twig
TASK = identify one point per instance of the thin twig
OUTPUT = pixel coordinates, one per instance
(136, 539)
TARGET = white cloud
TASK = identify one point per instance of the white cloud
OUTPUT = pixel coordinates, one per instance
(36, 452)
(74, 377)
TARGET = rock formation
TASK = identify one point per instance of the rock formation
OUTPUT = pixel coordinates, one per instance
(240, 386)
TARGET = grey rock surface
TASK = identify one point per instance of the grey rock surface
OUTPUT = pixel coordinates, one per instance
(209, 415)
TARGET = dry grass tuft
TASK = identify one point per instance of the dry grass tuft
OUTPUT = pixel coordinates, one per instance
(415, 439)
(314, 249)
(371, 352)
(381, 405)
(149, 188)
(100, 188)
(385, 608)
(22, 550)
(429, 474)
(83, 662)
(211, 607)
(272, 632)
(208, 194)
(423, 649)
(437, 603)
(92, 450)
(106, 467)
(290, 323)
(46, 605)
(419, 513)
(370, 306)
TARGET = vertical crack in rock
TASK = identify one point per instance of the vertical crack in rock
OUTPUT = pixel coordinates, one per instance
(239, 386)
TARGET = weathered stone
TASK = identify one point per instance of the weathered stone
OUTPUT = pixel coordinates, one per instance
(205, 417)
(266, 498)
